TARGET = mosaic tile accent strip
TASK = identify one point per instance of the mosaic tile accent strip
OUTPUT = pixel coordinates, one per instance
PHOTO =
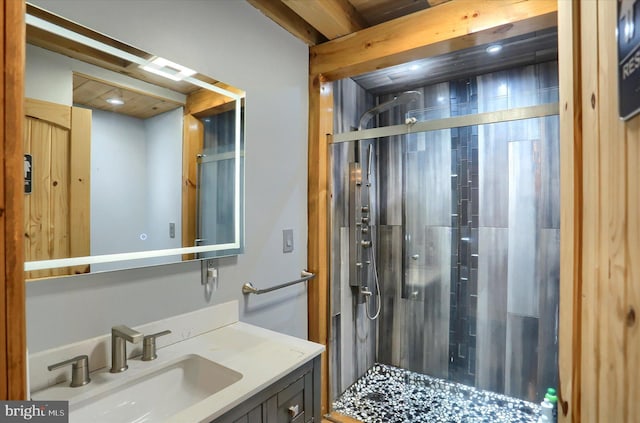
(387, 394)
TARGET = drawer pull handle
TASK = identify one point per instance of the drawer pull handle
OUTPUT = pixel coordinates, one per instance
(294, 410)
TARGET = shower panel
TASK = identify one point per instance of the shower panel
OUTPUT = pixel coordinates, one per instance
(359, 226)
(362, 253)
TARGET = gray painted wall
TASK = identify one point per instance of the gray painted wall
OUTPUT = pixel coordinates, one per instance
(233, 42)
(118, 184)
(136, 170)
(164, 173)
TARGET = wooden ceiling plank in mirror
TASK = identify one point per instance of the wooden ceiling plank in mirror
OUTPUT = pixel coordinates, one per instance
(94, 93)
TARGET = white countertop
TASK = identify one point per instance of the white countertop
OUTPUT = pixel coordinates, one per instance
(260, 355)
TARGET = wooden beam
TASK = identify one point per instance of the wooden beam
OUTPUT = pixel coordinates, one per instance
(436, 2)
(451, 26)
(203, 101)
(332, 18)
(614, 319)
(289, 20)
(570, 339)
(320, 124)
(12, 292)
(591, 209)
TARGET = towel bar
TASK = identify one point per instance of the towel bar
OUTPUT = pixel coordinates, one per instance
(248, 287)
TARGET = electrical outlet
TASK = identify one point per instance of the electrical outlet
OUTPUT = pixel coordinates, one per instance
(287, 240)
(209, 275)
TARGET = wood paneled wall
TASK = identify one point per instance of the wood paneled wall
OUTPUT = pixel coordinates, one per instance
(600, 339)
(12, 295)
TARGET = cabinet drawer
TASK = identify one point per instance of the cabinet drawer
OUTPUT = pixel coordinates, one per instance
(293, 399)
(291, 404)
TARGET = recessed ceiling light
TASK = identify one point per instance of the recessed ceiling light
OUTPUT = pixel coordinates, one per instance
(115, 101)
(493, 49)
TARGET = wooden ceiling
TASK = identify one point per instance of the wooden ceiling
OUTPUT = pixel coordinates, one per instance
(324, 24)
(523, 50)
(317, 21)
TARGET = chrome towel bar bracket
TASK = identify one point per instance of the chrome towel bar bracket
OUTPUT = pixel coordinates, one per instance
(248, 287)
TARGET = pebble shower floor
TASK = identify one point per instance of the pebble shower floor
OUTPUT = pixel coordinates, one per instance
(387, 394)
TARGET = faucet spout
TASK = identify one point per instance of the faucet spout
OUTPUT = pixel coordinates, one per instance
(119, 337)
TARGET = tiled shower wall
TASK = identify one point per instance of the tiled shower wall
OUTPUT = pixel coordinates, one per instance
(518, 283)
(468, 239)
(353, 335)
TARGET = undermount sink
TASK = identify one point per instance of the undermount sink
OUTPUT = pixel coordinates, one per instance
(156, 396)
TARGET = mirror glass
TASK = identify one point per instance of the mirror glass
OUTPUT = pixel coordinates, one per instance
(130, 159)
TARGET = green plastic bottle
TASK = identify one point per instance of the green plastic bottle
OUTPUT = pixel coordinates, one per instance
(553, 399)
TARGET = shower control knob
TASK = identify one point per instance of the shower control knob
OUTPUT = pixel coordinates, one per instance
(365, 220)
(365, 229)
(365, 244)
(365, 209)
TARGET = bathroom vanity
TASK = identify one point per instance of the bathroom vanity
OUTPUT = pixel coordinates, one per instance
(210, 368)
(294, 398)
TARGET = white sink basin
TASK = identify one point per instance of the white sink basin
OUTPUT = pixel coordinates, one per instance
(156, 396)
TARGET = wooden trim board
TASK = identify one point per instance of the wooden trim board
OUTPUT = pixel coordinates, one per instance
(12, 292)
(570, 210)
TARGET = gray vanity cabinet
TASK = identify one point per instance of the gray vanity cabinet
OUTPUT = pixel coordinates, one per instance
(293, 399)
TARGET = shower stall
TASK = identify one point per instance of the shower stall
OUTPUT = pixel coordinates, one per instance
(445, 243)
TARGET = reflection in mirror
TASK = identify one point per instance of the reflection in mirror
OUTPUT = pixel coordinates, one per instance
(130, 160)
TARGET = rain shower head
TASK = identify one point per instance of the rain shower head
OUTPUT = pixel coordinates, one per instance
(401, 99)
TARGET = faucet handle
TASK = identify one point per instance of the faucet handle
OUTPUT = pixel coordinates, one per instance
(79, 370)
(149, 345)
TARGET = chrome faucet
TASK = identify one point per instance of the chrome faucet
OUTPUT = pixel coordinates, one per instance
(119, 337)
